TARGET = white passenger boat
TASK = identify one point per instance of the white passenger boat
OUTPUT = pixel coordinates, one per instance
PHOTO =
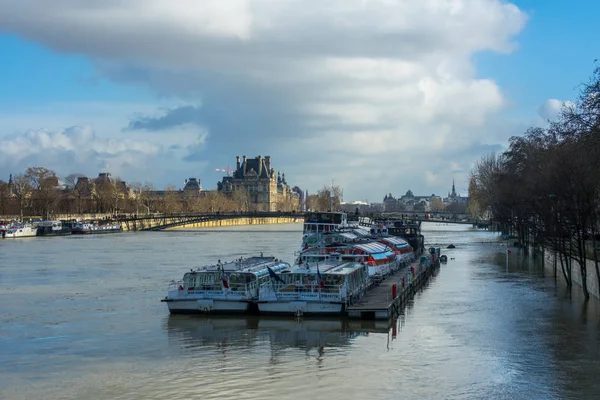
(400, 247)
(380, 258)
(324, 287)
(20, 231)
(319, 222)
(222, 288)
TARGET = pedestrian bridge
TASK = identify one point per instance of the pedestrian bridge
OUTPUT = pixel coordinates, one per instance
(441, 218)
(159, 222)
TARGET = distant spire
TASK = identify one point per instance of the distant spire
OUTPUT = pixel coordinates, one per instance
(453, 189)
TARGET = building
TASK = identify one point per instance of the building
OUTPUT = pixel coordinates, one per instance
(192, 188)
(410, 202)
(256, 180)
(453, 197)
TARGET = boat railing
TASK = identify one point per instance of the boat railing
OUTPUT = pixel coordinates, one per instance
(298, 287)
(233, 288)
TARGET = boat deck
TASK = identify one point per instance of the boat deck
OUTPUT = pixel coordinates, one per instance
(380, 297)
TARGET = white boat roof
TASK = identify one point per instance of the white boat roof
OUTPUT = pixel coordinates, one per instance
(254, 265)
(361, 232)
(372, 247)
(329, 267)
(395, 241)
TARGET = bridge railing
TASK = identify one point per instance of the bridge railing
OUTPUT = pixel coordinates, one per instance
(229, 214)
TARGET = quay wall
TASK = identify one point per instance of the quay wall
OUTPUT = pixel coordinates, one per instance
(551, 259)
(224, 223)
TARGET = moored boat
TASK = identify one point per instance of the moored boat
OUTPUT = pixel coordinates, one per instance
(20, 231)
(406, 229)
(95, 228)
(319, 222)
(324, 287)
(380, 258)
(52, 228)
(222, 288)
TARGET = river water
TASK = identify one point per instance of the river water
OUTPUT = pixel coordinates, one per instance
(80, 318)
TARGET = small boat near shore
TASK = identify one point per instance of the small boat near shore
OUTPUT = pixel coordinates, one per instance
(222, 288)
(20, 231)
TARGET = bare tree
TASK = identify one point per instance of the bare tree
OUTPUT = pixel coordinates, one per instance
(44, 185)
(329, 198)
(4, 196)
(241, 199)
(22, 190)
(172, 202)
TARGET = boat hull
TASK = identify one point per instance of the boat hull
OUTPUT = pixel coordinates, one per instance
(61, 233)
(206, 306)
(18, 236)
(308, 308)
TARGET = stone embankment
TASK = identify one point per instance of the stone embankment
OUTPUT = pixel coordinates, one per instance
(220, 223)
(552, 264)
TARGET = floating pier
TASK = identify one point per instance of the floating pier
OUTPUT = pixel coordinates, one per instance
(387, 300)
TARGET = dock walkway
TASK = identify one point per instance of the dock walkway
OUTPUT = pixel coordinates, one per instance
(378, 302)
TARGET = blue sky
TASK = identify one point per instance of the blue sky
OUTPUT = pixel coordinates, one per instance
(363, 101)
(555, 53)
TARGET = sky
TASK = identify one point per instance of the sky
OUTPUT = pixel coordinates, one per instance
(374, 96)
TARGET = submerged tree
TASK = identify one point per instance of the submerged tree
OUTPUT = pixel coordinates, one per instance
(546, 185)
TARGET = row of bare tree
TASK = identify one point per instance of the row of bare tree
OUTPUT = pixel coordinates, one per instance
(545, 187)
(37, 192)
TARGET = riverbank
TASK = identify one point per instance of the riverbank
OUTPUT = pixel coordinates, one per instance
(218, 223)
(552, 266)
(176, 222)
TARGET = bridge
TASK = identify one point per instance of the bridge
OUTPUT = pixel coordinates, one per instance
(157, 222)
(438, 217)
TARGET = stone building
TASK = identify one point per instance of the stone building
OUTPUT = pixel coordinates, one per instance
(192, 188)
(410, 202)
(265, 189)
(453, 197)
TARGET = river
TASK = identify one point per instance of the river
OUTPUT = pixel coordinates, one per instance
(80, 318)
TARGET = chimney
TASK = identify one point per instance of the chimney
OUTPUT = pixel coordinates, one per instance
(260, 160)
(237, 159)
(245, 166)
(268, 162)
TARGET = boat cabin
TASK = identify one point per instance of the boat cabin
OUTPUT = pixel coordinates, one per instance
(242, 276)
(332, 275)
(318, 222)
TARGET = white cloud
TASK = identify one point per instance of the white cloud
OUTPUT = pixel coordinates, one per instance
(79, 149)
(550, 110)
(376, 93)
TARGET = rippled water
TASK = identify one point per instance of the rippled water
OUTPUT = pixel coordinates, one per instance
(80, 318)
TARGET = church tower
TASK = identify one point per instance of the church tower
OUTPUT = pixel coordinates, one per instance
(453, 189)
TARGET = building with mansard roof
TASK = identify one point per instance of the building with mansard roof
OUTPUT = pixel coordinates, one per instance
(409, 202)
(265, 189)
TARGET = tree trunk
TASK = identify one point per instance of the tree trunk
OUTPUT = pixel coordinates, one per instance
(582, 264)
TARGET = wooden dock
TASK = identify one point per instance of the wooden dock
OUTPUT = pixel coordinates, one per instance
(378, 303)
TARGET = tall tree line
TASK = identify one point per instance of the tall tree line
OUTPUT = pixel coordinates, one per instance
(545, 188)
(37, 192)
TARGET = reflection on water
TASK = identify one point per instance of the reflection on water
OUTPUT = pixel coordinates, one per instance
(196, 332)
(81, 319)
